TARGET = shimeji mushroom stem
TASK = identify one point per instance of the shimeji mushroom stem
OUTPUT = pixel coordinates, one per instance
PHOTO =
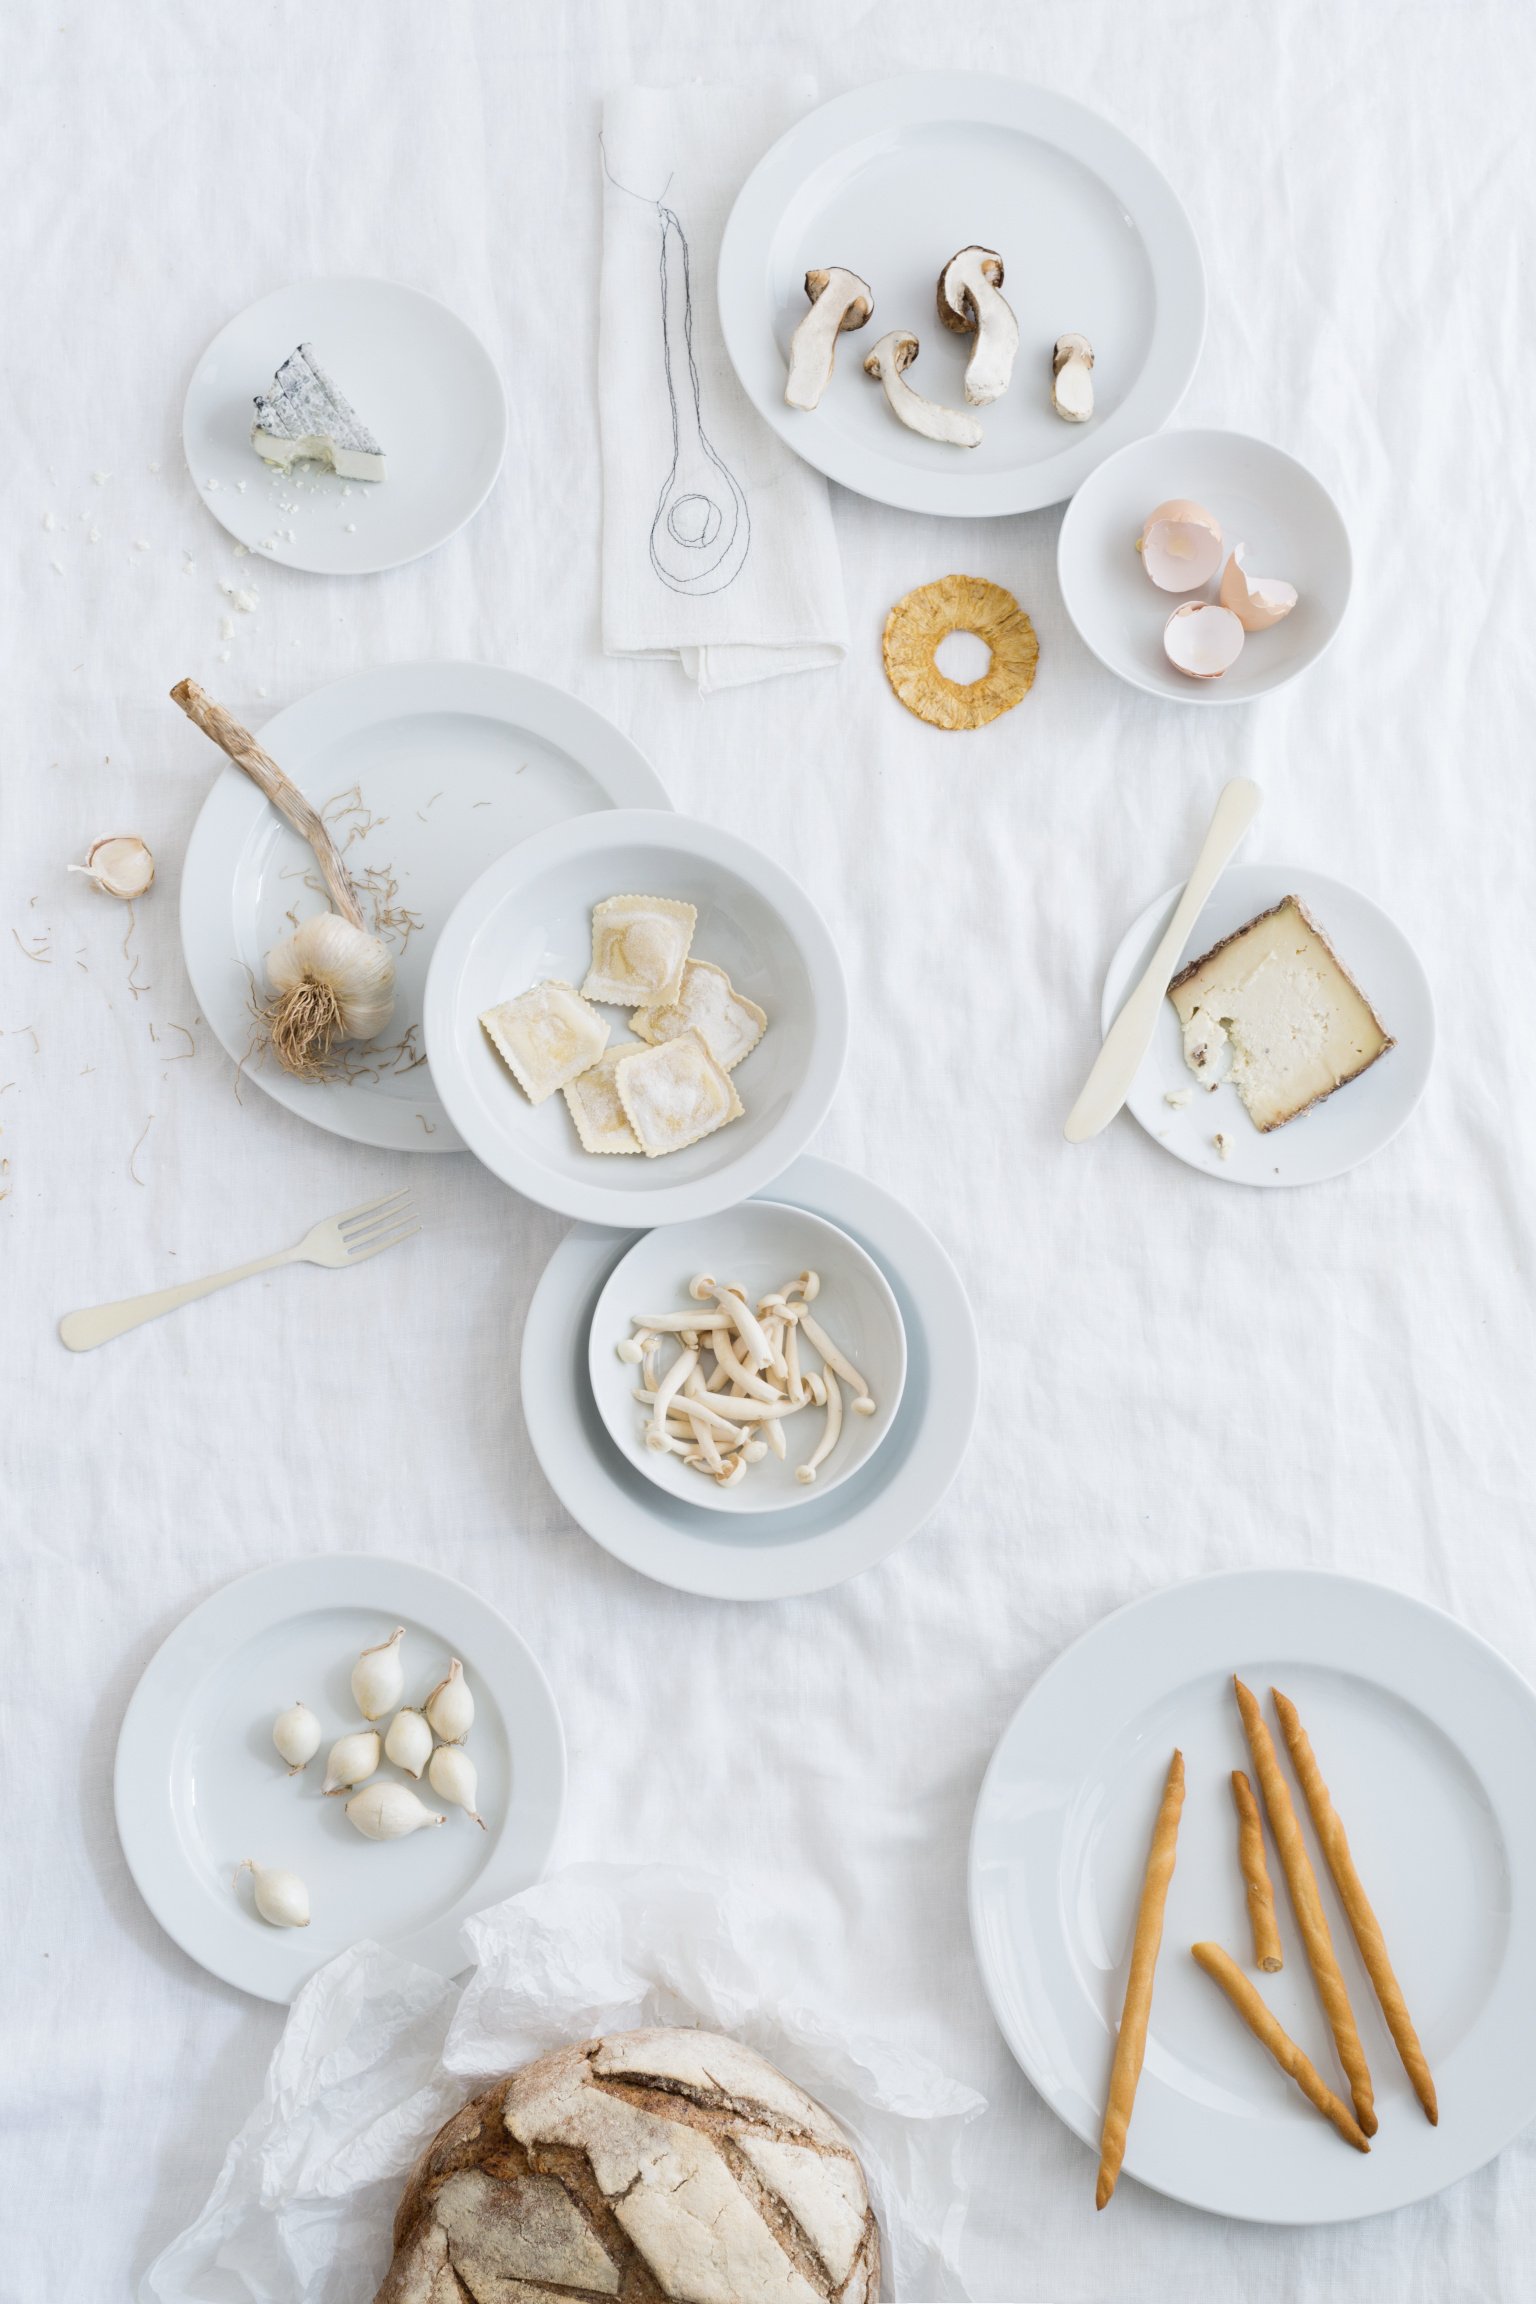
(671, 1384)
(743, 1378)
(863, 1405)
(806, 1472)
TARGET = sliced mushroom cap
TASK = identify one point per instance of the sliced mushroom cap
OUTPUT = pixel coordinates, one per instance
(971, 302)
(839, 300)
(1072, 378)
(889, 357)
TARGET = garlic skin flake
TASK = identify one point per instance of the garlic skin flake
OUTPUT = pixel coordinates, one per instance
(296, 1733)
(378, 1677)
(409, 1742)
(353, 1760)
(450, 1708)
(333, 982)
(388, 1812)
(121, 866)
(452, 1777)
(281, 1897)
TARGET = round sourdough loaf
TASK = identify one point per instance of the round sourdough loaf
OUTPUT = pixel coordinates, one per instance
(649, 2166)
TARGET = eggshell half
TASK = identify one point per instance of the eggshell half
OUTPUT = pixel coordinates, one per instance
(1180, 546)
(1202, 640)
(1256, 601)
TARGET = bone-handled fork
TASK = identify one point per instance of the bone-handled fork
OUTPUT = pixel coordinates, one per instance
(350, 1238)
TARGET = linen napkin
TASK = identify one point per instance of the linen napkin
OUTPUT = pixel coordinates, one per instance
(717, 542)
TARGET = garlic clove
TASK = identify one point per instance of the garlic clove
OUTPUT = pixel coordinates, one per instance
(1180, 546)
(352, 1761)
(1202, 640)
(280, 1897)
(296, 1733)
(378, 1677)
(1256, 601)
(450, 1708)
(409, 1742)
(451, 1775)
(121, 866)
(388, 1812)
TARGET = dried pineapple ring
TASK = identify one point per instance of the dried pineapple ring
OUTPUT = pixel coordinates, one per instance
(917, 624)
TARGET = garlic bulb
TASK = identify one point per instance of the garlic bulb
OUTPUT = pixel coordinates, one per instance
(333, 982)
(452, 1777)
(353, 1760)
(296, 1733)
(409, 1742)
(450, 1708)
(378, 1677)
(121, 866)
(281, 1897)
(388, 1811)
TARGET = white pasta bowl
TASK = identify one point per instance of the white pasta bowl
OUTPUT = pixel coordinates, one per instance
(759, 1247)
(528, 918)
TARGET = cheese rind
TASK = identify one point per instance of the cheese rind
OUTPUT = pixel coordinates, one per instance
(302, 415)
(1278, 1000)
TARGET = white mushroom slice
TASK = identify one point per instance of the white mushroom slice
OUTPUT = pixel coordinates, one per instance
(1180, 546)
(545, 1037)
(805, 1473)
(840, 300)
(1072, 379)
(729, 1024)
(1256, 601)
(594, 1104)
(675, 1094)
(863, 1405)
(970, 303)
(886, 361)
(639, 947)
(1202, 640)
(671, 1384)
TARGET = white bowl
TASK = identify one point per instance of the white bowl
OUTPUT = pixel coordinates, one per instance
(760, 1246)
(529, 917)
(1264, 500)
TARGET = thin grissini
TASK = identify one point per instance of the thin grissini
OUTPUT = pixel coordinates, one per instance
(1131, 2046)
(1307, 1904)
(1267, 1953)
(1357, 1905)
(1273, 2036)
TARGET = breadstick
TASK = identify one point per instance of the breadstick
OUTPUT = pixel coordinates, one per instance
(1278, 2041)
(1261, 1896)
(1132, 2043)
(1357, 1905)
(1307, 1904)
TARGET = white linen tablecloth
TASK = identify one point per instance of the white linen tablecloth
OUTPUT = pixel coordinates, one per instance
(1181, 1377)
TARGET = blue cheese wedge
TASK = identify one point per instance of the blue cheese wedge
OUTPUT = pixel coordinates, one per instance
(1273, 1009)
(301, 416)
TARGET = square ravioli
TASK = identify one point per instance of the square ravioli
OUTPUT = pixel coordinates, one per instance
(546, 1036)
(639, 946)
(594, 1103)
(675, 1093)
(729, 1024)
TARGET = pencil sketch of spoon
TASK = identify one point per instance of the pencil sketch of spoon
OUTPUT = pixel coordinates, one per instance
(702, 529)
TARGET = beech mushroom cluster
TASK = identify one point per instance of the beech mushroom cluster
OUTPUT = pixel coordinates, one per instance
(1181, 549)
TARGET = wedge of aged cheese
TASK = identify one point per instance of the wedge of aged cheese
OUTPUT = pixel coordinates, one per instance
(302, 415)
(1273, 1009)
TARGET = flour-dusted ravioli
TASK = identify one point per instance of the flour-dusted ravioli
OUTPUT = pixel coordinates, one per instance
(729, 1024)
(675, 1093)
(639, 946)
(595, 1106)
(546, 1036)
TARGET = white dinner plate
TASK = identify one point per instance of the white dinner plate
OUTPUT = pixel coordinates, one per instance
(1355, 1120)
(530, 917)
(758, 1245)
(419, 378)
(1261, 498)
(765, 1555)
(452, 763)
(199, 1787)
(1427, 1741)
(891, 181)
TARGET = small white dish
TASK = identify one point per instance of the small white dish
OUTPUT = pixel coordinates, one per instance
(1263, 499)
(530, 917)
(1352, 1123)
(198, 1786)
(455, 762)
(419, 378)
(759, 1245)
(760, 1555)
(892, 180)
(1427, 1740)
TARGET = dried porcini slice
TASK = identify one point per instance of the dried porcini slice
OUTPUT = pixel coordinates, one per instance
(924, 618)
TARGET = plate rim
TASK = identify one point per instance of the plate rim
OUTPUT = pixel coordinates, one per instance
(250, 1595)
(1173, 255)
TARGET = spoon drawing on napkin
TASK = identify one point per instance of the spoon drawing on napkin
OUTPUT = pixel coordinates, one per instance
(702, 529)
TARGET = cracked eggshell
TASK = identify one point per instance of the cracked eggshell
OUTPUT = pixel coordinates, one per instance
(1180, 546)
(1256, 601)
(1202, 639)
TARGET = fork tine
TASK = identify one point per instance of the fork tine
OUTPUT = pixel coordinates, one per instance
(374, 1247)
(359, 1235)
(368, 1207)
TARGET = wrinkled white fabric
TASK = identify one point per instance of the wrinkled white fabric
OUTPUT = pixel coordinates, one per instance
(1181, 1376)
